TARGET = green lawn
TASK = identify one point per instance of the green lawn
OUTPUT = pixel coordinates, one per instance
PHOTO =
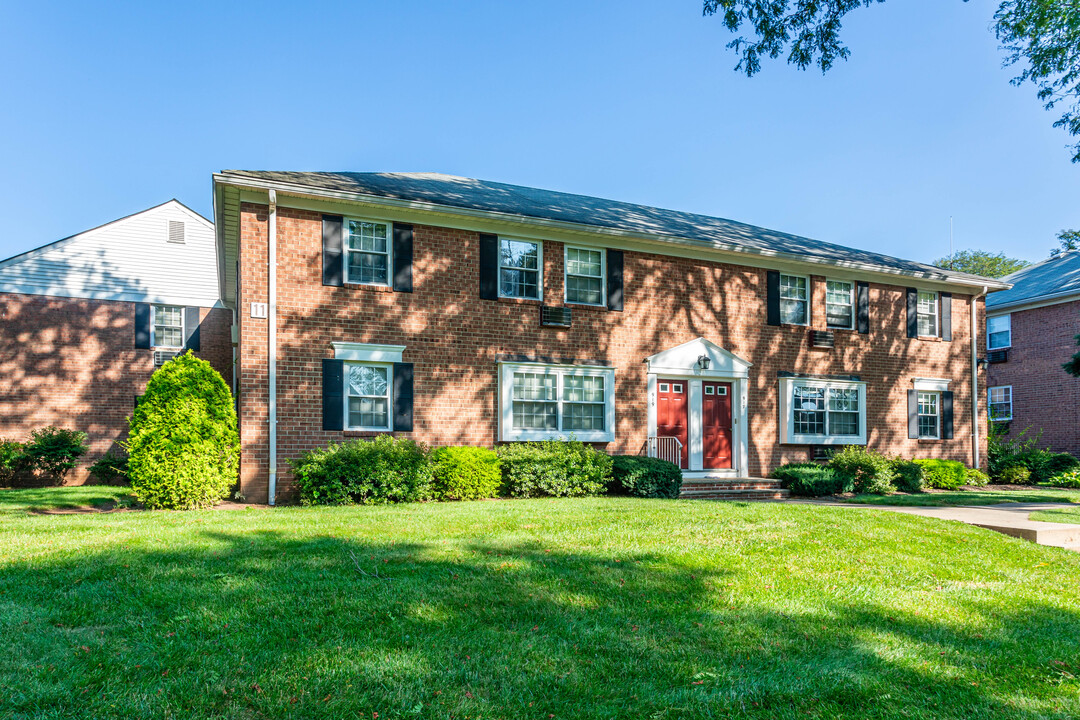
(596, 608)
(1064, 515)
(62, 498)
(972, 497)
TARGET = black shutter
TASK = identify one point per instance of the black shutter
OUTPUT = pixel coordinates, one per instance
(489, 267)
(862, 303)
(192, 340)
(947, 415)
(403, 397)
(913, 414)
(615, 280)
(332, 232)
(946, 316)
(912, 313)
(142, 325)
(333, 391)
(403, 237)
(772, 292)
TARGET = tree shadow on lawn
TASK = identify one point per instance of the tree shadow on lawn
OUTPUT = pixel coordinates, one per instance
(260, 624)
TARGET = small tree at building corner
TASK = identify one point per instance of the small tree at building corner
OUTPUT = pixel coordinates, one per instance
(183, 445)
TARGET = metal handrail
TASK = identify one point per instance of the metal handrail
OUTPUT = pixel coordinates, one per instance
(665, 448)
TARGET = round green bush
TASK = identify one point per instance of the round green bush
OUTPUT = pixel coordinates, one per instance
(908, 476)
(51, 453)
(555, 468)
(976, 478)
(811, 479)
(1015, 475)
(369, 472)
(1067, 479)
(111, 469)
(465, 473)
(943, 474)
(644, 477)
(869, 470)
(183, 448)
(12, 454)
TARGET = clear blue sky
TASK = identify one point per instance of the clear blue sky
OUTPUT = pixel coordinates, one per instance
(110, 108)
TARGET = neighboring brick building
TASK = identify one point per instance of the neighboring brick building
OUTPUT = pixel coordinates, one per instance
(1031, 332)
(457, 311)
(84, 320)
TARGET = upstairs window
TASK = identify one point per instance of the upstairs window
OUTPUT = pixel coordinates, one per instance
(519, 269)
(367, 251)
(584, 276)
(999, 332)
(928, 314)
(840, 304)
(794, 299)
(1000, 403)
(929, 415)
(168, 326)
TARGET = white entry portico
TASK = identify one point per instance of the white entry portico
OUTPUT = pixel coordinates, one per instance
(693, 363)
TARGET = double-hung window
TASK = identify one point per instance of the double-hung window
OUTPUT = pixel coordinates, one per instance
(367, 396)
(999, 332)
(794, 299)
(367, 252)
(929, 415)
(168, 326)
(1000, 403)
(823, 412)
(556, 401)
(928, 314)
(584, 276)
(520, 263)
(840, 304)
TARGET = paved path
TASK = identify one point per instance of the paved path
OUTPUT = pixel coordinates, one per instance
(1007, 518)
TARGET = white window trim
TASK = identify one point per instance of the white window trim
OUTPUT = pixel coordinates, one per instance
(852, 303)
(937, 312)
(989, 403)
(389, 250)
(787, 412)
(539, 268)
(367, 352)
(603, 275)
(507, 432)
(930, 384)
(780, 292)
(918, 414)
(1007, 316)
(183, 326)
(389, 397)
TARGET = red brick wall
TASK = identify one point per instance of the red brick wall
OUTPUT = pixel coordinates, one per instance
(454, 338)
(1045, 398)
(72, 363)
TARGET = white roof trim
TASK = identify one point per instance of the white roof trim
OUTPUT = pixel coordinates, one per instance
(683, 360)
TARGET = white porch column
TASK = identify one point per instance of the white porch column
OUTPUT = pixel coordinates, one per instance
(694, 433)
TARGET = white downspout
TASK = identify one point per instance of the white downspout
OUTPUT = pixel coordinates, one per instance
(975, 377)
(272, 350)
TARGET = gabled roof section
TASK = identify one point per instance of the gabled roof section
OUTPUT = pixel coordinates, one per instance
(684, 359)
(468, 194)
(1055, 278)
(129, 259)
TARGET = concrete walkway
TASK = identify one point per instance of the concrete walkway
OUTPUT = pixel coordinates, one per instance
(1007, 518)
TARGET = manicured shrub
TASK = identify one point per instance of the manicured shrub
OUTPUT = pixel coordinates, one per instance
(1054, 464)
(975, 477)
(644, 477)
(1005, 453)
(183, 449)
(812, 480)
(1066, 478)
(465, 473)
(369, 472)
(869, 470)
(12, 456)
(111, 469)
(52, 452)
(943, 474)
(1015, 475)
(908, 476)
(556, 468)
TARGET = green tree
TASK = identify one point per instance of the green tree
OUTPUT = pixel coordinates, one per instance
(1068, 240)
(981, 262)
(1073, 366)
(1041, 37)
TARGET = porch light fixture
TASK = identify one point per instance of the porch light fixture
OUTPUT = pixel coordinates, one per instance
(703, 362)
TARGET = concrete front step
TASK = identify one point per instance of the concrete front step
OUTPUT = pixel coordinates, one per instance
(734, 494)
(731, 485)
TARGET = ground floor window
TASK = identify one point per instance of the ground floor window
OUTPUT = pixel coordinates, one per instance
(367, 396)
(540, 401)
(929, 415)
(1000, 403)
(830, 412)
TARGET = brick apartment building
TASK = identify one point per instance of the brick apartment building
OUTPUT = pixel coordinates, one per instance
(1031, 332)
(85, 320)
(457, 311)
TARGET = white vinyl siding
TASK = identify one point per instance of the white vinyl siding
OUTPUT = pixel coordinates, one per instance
(840, 304)
(928, 314)
(544, 402)
(794, 299)
(999, 332)
(1000, 400)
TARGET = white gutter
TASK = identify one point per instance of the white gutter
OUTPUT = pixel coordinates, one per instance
(975, 378)
(271, 262)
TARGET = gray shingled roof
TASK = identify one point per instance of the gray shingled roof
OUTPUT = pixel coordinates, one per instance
(481, 195)
(1054, 277)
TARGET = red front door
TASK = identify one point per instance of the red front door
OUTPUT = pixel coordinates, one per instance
(671, 416)
(716, 424)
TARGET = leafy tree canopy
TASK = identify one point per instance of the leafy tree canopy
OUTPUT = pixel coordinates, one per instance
(1068, 240)
(981, 262)
(1041, 37)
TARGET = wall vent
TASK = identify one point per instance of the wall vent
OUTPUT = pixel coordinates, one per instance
(555, 316)
(998, 356)
(822, 339)
(176, 232)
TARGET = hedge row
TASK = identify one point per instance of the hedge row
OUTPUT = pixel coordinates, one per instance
(388, 469)
(44, 460)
